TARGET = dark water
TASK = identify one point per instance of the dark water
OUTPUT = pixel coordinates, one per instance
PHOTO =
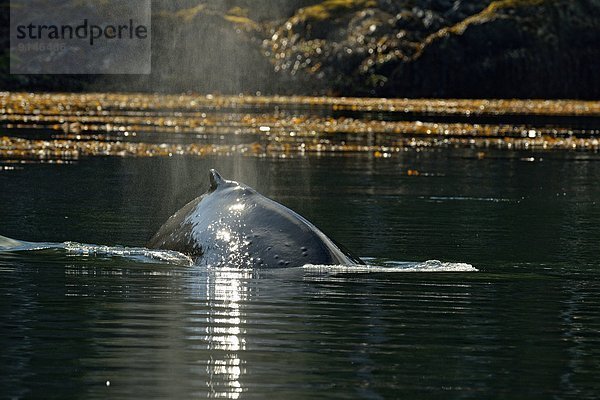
(527, 325)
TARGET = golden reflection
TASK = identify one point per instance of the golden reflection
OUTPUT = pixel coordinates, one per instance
(227, 289)
(140, 103)
(120, 124)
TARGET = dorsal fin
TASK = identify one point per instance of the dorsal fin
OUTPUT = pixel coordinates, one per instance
(215, 179)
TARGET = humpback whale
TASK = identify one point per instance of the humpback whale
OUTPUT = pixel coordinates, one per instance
(234, 225)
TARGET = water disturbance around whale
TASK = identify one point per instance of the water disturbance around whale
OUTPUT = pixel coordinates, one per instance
(132, 256)
(232, 226)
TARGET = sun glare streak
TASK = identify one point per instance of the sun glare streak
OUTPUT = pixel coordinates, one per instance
(225, 331)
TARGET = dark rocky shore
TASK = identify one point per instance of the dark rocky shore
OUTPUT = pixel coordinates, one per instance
(404, 48)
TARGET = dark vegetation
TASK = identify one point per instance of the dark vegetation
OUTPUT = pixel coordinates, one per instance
(394, 48)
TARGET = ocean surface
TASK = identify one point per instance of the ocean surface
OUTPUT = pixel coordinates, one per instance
(483, 281)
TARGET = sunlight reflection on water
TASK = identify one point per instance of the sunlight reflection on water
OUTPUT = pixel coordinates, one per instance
(223, 330)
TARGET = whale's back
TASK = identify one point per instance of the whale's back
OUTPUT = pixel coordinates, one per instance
(233, 225)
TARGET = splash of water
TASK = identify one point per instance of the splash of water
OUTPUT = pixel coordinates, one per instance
(137, 254)
(394, 267)
(140, 254)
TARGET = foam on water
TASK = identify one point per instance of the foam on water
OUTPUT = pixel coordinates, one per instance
(133, 253)
(139, 254)
(395, 266)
